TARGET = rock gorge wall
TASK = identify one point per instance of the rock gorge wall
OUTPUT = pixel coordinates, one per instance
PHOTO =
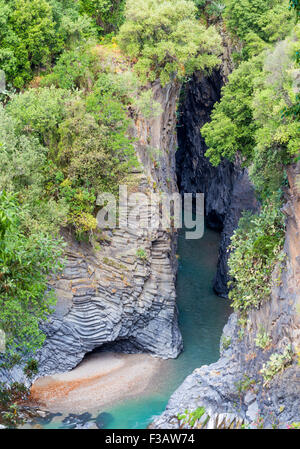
(232, 390)
(110, 297)
(227, 188)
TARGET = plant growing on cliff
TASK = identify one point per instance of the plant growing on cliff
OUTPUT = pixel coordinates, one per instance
(262, 339)
(276, 364)
(142, 254)
(225, 342)
(256, 246)
(165, 40)
(190, 418)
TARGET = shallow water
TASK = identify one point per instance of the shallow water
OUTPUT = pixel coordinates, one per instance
(202, 316)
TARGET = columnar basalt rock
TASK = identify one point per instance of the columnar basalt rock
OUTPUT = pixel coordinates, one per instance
(234, 385)
(109, 296)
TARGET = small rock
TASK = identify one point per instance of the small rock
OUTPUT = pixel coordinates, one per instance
(252, 411)
(249, 398)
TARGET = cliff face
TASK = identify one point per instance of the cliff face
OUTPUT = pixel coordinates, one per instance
(232, 390)
(226, 188)
(110, 296)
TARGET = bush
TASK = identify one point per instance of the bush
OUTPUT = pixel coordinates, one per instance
(256, 247)
(232, 126)
(262, 339)
(276, 364)
(24, 167)
(166, 41)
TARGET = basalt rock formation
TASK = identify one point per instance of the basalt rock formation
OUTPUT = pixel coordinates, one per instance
(121, 293)
(227, 189)
(233, 390)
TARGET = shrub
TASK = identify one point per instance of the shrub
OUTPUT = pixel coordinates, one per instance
(276, 364)
(142, 254)
(270, 20)
(226, 342)
(190, 418)
(256, 247)
(31, 368)
(257, 117)
(262, 339)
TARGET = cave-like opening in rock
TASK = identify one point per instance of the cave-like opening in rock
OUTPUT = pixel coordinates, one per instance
(195, 173)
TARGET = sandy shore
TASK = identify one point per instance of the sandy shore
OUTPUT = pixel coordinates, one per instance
(99, 380)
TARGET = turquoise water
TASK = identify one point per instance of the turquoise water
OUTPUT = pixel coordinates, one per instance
(202, 316)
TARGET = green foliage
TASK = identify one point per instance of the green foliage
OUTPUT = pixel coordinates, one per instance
(27, 38)
(190, 418)
(107, 14)
(147, 106)
(166, 41)
(249, 120)
(295, 4)
(23, 167)
(276, 364)
(38, 112)
(210, 9)
(294, 425)
(31, 368)
(84, 134)
(245, 384)
(74, 70)
(258, 20)
(232, 127)
(226, 342)
(33, 32)
(256, 247)
(142, 254)
(262, 339)
(9, 399)
(26, 259)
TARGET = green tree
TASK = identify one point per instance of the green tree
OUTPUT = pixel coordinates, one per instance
(165, 39)
(232, 126)
(256, 116)
(269, 19)
(29, 38)
(24, 173)
(108, 14)
(34, 32)
(25, 262)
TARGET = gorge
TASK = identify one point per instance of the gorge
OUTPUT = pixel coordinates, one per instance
(123, 326)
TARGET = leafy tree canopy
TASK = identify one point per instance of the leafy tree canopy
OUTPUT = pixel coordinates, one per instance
(165, 39)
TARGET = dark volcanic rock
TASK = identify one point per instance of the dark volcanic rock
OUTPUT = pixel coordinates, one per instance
(227, 188)
(242, 198)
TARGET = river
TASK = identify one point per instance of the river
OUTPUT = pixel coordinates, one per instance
(202, 316)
